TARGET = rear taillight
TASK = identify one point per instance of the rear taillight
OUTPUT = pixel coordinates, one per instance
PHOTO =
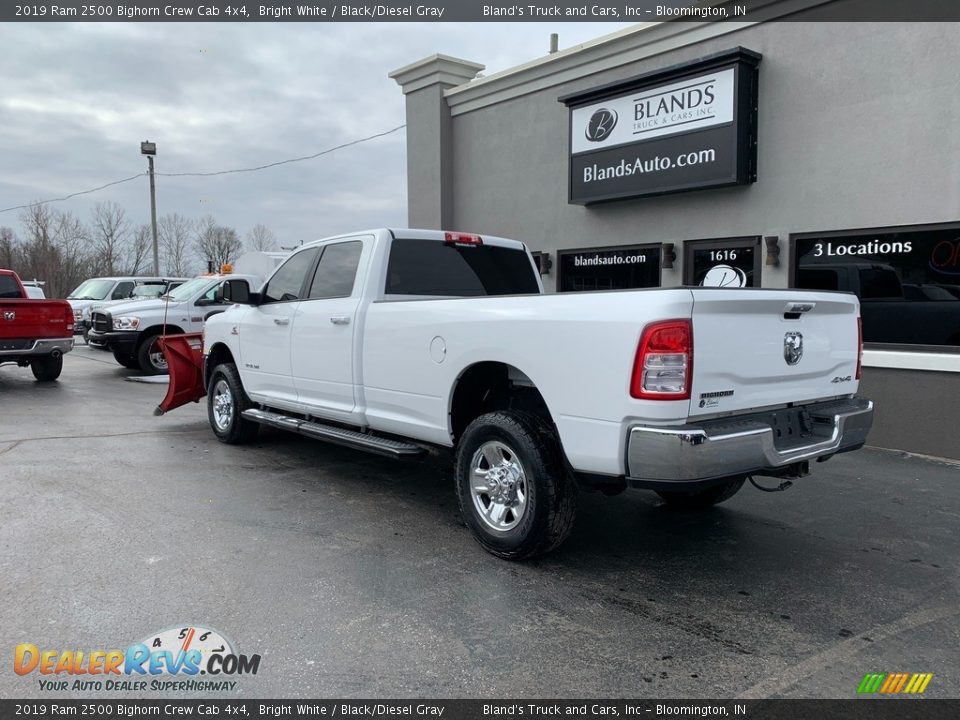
(68, 313)
(456, 238)
(859, 346)
(664, 364)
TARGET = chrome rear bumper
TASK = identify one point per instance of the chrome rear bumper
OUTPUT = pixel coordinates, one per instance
(41, 347)
(744, 445)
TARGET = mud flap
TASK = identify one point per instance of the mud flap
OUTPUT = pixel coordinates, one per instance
(184, 354)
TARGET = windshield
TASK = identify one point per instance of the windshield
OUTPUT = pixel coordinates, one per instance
(92, 290)
(188, 289)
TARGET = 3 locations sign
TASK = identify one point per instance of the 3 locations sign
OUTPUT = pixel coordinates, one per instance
(689, 127)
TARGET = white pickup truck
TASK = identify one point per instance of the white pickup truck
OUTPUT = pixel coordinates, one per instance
(399, 341)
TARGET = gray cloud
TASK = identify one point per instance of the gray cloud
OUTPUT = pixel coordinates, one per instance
(78, 98)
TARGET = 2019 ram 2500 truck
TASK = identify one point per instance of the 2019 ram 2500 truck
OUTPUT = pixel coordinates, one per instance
(33, 332)
(396, 341)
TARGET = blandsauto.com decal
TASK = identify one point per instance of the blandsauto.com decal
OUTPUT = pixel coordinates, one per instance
(189, 657)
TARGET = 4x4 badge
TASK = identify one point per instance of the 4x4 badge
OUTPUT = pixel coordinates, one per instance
(9, 315)
(792, 347)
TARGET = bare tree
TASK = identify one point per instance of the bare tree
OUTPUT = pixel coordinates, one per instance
(217, 243)
(110, 231)
(9, 250)
(138, 247)
(261, 237)
(54, 248)
(174, 231)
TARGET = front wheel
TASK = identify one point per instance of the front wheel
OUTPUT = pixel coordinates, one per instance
(226, 401)
(515, 493)
(150, 357)
(699, 499)
(47, 369)
(128, 360)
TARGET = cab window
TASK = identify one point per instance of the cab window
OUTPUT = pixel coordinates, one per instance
(122, 290)
(288, 281)
(337, 271)
(211, 296)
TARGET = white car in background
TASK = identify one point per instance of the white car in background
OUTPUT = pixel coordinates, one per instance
(103, 289)
(148, 291)
(130, 329)
(34, 289)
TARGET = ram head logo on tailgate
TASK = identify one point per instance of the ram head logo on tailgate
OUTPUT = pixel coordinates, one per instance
(792, 347)
(9, 315)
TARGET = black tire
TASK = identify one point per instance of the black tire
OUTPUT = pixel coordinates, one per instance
(235, 430)
(147, 359)
(47, 369)
(549, 491)
(128, 360)
(700, 499)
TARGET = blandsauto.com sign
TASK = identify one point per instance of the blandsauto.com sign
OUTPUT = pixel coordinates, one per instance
(688, 127)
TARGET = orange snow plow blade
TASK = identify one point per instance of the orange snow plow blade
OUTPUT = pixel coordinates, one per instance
(184, 354)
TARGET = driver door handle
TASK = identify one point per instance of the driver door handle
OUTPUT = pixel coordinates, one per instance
(340, 319)
(282, 321)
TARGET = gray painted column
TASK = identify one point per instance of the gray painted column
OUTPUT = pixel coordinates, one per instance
(429, 136)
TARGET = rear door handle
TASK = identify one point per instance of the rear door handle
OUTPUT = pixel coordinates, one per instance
(340, 320)
(282, 321)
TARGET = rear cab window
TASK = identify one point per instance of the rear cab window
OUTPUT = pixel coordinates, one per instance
(434, 268)
(9, 288)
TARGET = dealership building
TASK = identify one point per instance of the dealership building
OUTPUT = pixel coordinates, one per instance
(780, 154)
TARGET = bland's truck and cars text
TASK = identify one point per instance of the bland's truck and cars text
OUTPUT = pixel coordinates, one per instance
(404, 341)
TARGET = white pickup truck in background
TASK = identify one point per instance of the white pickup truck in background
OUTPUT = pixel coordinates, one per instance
(398, 341)
(131, 329)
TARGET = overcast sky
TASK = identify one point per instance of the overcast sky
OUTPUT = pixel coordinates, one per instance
(77, 99)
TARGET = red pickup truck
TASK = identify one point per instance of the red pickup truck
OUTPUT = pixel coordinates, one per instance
(33, 332)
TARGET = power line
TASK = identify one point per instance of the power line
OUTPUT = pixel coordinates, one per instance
(72, 195)
(285, 162)
(210, 174)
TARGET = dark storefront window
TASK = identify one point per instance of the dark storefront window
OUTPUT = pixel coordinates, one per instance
(619, 268)
(733, 263)
(907, 279)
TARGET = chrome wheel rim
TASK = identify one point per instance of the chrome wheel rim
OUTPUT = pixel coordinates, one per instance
(222, 403)
(498, 486)
(156, 356)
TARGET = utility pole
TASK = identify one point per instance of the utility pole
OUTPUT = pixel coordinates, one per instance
(150, 149)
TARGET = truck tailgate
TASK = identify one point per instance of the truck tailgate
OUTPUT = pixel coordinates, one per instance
(761, 348)
(35, 319)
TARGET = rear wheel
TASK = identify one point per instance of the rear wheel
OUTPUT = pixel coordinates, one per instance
(699, 499)
(226, 401)
(47, 369)
(150, 357)
(515, 493)
(128, 360)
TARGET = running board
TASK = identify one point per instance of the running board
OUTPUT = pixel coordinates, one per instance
(340, 436)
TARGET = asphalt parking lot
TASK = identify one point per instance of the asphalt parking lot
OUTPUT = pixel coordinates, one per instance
(353, 576)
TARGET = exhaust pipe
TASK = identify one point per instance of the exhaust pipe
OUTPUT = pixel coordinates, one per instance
(56, 353)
